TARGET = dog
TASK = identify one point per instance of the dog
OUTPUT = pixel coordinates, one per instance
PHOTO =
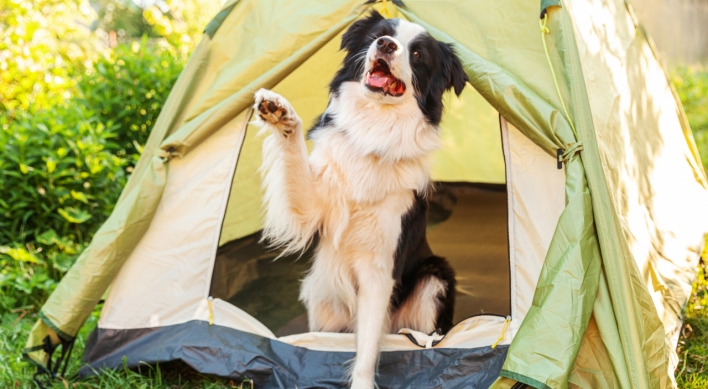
(361, 194)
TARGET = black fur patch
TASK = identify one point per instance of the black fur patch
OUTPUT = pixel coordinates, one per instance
(415, 262)
(436, 70)
(322, 121)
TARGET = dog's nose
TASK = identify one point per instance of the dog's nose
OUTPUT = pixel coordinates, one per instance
(386, 45)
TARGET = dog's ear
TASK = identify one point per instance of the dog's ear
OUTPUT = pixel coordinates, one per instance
(452, 68)
(355, 36)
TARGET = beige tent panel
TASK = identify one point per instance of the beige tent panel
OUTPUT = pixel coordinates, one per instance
(169, 271)
(473, 332)
(535, 187)
(536, 198)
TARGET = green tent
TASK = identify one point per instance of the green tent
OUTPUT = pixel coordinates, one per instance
(571, 202)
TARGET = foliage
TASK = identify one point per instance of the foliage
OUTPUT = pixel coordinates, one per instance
(123, 17)
(63, 169)
(129, 87)
(60, 181)
(44, 45)
(182, 22)
(74, 116)
(691, 83)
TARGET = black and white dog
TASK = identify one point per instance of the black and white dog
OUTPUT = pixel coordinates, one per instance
(361, 193)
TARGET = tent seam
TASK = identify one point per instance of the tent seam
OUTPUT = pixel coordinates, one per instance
(54, 328)
(511, 220)
(523, 379)
(225, 200)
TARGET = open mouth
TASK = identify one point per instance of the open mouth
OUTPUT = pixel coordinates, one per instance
(380, 79)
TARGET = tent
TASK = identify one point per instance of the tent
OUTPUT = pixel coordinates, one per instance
(570, 200)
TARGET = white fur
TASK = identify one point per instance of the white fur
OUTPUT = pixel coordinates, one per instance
(353, 190)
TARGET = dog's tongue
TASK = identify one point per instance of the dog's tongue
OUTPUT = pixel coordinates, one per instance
(380, 79)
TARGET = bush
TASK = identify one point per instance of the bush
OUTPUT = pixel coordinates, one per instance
(60, 181)
(62, 170)
(128, 87)
(44, 45)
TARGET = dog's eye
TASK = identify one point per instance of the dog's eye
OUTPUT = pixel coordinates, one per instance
(416, 54)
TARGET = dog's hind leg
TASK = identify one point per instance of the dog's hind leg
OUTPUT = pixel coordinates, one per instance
(428, 303)
(292, 212)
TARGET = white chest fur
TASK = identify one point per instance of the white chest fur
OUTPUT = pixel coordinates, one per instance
(370, 155)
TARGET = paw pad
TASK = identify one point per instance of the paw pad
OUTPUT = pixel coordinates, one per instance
(271, 111)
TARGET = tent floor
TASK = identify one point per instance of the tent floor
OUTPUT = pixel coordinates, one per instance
(227, 352)
(467, 224)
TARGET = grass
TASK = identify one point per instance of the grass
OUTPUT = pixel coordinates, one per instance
(692, 372)
(691, 83)
(15, 372)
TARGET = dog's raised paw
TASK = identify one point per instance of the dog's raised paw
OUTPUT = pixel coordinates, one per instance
(274, 109)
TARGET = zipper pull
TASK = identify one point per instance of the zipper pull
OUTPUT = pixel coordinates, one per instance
(506, 325)
(210, 304)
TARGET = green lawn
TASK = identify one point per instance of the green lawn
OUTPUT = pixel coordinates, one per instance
(15, 372)
(692, 86)
(693, 345)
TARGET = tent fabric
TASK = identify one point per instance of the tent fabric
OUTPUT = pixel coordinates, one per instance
(644, 210)
(535, 206)
(272, 364)
(600, 255)
(180, 241)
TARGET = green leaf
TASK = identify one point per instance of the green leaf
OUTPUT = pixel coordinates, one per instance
(79, 196)
(48, 238)
(73, 215)
(19, 254)
(51, 166)
(23, 168)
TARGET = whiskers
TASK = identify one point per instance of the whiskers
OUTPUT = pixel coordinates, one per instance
(358, 60)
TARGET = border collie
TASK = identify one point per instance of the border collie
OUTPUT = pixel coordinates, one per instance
(361, 194)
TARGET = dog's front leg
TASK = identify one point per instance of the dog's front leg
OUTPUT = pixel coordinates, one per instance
(373, 298)
(292, 212)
